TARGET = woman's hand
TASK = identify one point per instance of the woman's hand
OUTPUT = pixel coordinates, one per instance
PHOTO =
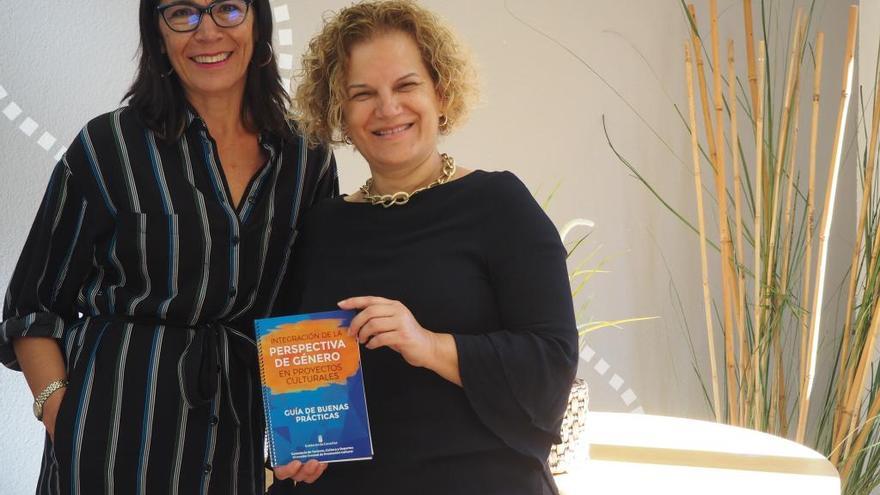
(42, 362)
(387, 323)
(296, 470)
(50, 411)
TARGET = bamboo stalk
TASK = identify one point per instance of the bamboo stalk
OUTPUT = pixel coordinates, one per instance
(770, 280)
(824, 231)
(786, 258)
(704, 262)
(811, 211)
(750, 54)
(787, 230)
(740, 249)
(757, 399)
(704, 92)
(726, 242)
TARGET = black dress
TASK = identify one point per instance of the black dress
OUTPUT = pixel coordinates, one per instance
(478, 258)
(150, 278)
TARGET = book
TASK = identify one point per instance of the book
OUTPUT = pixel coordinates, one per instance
(313, 388)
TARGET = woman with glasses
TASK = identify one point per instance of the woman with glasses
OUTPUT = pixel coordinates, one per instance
(465, 309)
(163, 233)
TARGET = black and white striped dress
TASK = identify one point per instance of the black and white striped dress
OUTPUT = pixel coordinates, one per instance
(150, 277)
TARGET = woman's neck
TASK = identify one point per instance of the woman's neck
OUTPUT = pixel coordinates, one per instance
(391, 180)
(222, 114)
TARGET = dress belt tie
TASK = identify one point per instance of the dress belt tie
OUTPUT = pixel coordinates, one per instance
(204, 363)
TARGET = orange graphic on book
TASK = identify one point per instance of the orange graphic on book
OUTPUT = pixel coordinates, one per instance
(308, 355)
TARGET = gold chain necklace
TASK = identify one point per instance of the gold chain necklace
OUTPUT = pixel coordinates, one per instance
(402, 197)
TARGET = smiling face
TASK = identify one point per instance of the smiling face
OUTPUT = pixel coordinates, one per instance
(212, 60)
(392, 109)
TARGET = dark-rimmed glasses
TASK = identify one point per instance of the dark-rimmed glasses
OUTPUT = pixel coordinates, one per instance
(184, 17)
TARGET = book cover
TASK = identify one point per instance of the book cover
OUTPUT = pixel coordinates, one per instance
(313, 388)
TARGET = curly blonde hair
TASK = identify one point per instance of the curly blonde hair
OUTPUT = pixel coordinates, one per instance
(320, 94)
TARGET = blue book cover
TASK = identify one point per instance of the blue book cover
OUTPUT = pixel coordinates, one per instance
(313, 388)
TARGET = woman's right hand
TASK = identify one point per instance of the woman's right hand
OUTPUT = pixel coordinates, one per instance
(42, 362)
(50, 411)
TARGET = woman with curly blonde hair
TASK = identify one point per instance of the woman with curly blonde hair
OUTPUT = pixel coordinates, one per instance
(459, 277)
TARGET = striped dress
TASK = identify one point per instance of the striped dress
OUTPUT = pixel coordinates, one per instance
(150, 277)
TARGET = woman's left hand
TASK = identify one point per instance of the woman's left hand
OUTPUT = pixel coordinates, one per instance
(385, 322)
(299, 471)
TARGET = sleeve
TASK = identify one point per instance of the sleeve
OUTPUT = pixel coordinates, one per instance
(518, 379)
(55, 260)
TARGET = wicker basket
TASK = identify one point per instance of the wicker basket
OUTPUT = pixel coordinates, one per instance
(573, 447)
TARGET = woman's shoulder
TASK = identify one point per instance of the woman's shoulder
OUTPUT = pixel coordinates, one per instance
(506, 198)
(501, 188)
(313, 154)
(120, 118)
(102, 132)
(325, 211)
(502, 180)
(107, 131)
(296, 136)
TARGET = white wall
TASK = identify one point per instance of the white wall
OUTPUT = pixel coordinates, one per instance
(540, 117)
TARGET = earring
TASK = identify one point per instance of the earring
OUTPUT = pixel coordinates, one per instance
(346, 138)
(444, 122)
(270, 57)
(166, 74)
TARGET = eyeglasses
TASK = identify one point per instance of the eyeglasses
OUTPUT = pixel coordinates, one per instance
(184, 17)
